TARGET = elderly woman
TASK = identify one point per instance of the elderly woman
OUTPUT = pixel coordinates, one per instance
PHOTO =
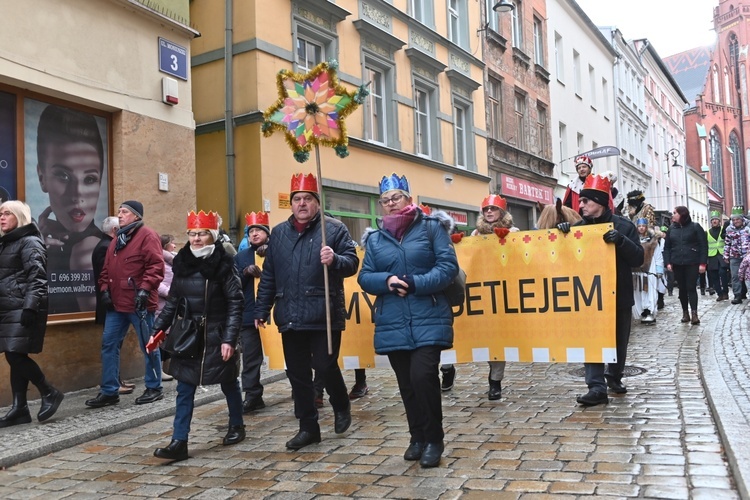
(205, 278)
(23, 310)
(408, 263)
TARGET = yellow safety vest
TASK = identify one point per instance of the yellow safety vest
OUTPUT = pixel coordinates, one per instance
(715, 245)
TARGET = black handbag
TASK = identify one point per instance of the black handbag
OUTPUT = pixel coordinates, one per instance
(185, 339)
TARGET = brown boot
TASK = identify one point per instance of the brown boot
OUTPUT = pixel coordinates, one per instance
(685, 317)
(695, 320)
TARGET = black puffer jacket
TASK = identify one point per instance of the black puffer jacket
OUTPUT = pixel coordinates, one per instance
(223, 312)
(23, 285)
(293, 276)
(685, 244)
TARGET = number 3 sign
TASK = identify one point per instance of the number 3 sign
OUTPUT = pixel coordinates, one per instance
(172, 59)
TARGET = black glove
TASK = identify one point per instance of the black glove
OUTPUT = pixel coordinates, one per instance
(252, 270)
(141, 300)
(564, 227)
(261, 250)
(613, 236)
(28, 317)
(409, 280)
(107, 300)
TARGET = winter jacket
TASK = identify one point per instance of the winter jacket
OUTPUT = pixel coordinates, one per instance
(141, 259)
(166, 283)
(97, 264)
(419, 319)
(243, 259)
(685, 244)
(23, 285)
(744, 272)
(292, 278)
(736, 242)
(223, 313)
(628, 254)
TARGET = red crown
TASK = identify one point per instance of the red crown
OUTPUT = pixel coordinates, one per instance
(425, 209)
(257, 219)
(585, 160)
(307, 183)
(494, 200)
(202, 220)
(598, 183)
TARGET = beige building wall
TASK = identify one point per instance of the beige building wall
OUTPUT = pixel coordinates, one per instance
(103, 55)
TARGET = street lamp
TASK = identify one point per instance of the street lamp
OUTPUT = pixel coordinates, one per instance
(674, 153)
(503, 6)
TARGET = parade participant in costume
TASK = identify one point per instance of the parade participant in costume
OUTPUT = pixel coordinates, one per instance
(252, 349)
(736, 245)
(718, 270)
(205, 277)
(494, 215)
(639, 209)
(685, 254)
(646, 277)
(583, 165)
(293, 282)
(408, 263)
(594, 204)
(23, 311)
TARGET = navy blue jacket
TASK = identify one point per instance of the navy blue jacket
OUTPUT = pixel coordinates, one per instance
(243, 259)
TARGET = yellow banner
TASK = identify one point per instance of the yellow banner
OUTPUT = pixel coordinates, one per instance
(533, 296)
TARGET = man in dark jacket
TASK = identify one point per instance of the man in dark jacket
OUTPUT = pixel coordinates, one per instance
(252, 349)
(293, 279)
(129, 282)
(594, 204)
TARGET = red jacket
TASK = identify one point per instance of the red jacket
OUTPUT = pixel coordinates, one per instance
(142, 260)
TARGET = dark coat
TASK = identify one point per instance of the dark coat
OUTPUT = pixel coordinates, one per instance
(685, 244)
(23, 285)
(223, 313)
(628, 254)
(97, 264)
(243, 259)
(292, 276)
(419, 319)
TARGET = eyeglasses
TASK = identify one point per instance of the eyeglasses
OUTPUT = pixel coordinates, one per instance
(202, 234)
(396, 198)
(6, 214)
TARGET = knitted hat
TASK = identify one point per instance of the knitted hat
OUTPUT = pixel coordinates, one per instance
(136, 207)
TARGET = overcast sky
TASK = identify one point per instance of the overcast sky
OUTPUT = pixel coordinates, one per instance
(672, 26)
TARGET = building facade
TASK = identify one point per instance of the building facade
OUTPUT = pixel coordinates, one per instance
(84, 126)
(424, 118)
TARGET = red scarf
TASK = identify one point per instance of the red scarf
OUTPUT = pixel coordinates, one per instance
(398, 223)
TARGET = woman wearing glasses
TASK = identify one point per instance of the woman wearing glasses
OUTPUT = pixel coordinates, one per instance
(23, 310)
(407, 264)
(204, 274)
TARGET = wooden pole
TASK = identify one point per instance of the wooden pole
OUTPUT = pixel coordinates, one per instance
(323, 239)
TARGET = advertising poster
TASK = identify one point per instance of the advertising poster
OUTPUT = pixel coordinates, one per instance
(7, 147)
(67, 188)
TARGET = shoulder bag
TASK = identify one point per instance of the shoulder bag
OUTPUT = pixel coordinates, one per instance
(185, 339)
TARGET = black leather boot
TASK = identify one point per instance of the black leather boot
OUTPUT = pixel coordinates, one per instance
(19, 412)
(51, 399)
(176, 450)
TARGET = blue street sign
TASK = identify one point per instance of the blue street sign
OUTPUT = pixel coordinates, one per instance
(172, 59)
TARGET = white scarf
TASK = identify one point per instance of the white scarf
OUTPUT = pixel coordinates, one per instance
(202, 252)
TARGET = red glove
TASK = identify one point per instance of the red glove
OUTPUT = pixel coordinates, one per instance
(457, 237)
(501, 232)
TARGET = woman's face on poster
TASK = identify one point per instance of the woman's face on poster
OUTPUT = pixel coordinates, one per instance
(71, 174)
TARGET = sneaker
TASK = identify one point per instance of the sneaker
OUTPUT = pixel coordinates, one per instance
(358, 391)
(449, 378)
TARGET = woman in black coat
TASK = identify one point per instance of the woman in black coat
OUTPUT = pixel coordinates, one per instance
(23, 310)
(203, 270)
(685, 254)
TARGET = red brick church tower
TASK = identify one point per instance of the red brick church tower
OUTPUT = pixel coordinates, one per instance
(717, 121)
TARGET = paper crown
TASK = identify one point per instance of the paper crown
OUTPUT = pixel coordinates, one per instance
(737, 211)
(494, 200)
(392, 182)
(641, 222)
(425, 209)
(597, 183)
(202, 220)
(583, 159)
(307, 183)
(257, 219)
(715, 214)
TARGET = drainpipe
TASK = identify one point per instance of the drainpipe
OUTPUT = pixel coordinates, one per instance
(229, 120)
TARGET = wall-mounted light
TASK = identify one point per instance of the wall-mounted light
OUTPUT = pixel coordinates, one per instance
(503, 6)
(674, 154)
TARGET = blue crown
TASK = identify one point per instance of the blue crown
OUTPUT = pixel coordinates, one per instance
(641, 221)
(394, 182)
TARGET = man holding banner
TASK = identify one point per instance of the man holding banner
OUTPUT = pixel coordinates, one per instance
(594, 201)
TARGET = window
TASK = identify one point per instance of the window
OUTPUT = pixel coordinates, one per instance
(376, 116)
(538, 42)
(579, 143)
(605, 96)
(541, 128)
(717, 166)
(309, 54)
(727, 89)
(520, 108)
(460, 136)
(559, 58)
(516, 24)
(356, 210)
(495, 97)
(715, 80)
(562, 130)
(592, 85)
(454, 33)
(577, 73)
(492, 16)
(737, 170)
(425, 120)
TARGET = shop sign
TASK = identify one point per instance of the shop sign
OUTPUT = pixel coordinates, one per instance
(461, 218)
(525, 190)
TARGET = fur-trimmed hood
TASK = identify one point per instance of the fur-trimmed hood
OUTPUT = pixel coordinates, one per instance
(484, 227)
(445, 220)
